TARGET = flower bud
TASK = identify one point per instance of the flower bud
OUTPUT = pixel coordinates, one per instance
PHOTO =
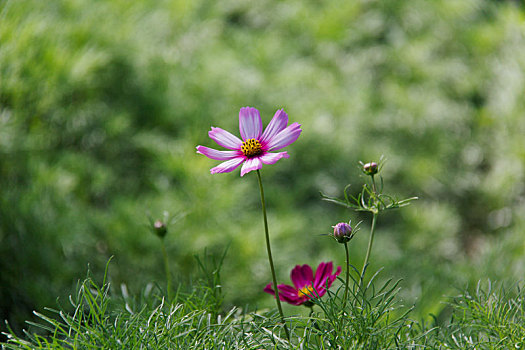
(370, 168)
(160, 228)
(343, 232)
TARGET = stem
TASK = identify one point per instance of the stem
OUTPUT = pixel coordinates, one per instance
(167, 268)
(370, 241)
(270, 259)
(374, 188)
(347, 275)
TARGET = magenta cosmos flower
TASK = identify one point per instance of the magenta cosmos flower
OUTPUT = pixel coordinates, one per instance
(306, 285)
(255, 147)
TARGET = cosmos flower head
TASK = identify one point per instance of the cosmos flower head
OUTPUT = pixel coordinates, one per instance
(256, 147)
(305, 285)
(343, 232)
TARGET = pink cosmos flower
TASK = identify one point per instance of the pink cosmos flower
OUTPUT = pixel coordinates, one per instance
(256, 145)
(306, 286)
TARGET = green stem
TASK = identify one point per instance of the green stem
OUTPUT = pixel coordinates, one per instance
(167, 268)
(370, 241)
(270, 259)
(347, 275)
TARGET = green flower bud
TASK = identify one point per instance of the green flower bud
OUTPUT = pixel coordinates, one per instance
(370, 168)
(160, 228)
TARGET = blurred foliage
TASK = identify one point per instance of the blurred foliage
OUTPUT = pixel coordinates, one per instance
(102, 104)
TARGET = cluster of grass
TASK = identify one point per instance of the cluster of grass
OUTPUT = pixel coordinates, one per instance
(99, 320)
(373, 318)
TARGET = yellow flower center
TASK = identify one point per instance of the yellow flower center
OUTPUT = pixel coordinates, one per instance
(251, 148)
(306, 291)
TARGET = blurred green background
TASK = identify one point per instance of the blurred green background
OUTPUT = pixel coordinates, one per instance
(103, 102)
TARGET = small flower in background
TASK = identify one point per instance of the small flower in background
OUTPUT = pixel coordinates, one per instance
(370, 168)
(343, 232)
(306, 285)
(254, 149)
(160, 228)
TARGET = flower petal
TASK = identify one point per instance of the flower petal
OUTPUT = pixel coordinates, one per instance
(323, 271)
(302, 276)
(250, 165)
(332, 278)
(276, 125)
(295, 301)
(227, 166)
(289, 294)
(284, 137)
(327, 283)
(320, 293)
(271, 158)
(287, 290)
(218, 155)
(250, 123)
(268, 289)
(225, 138)
(324, 277)
(286, 293)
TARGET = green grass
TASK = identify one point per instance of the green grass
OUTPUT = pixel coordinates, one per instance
(374, 318)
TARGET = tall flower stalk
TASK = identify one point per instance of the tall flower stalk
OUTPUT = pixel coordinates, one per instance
(160, 229)
(343, 233)
(370, 242)
(256, 148)
(167, 269)
(347, 280)
(270, 258)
